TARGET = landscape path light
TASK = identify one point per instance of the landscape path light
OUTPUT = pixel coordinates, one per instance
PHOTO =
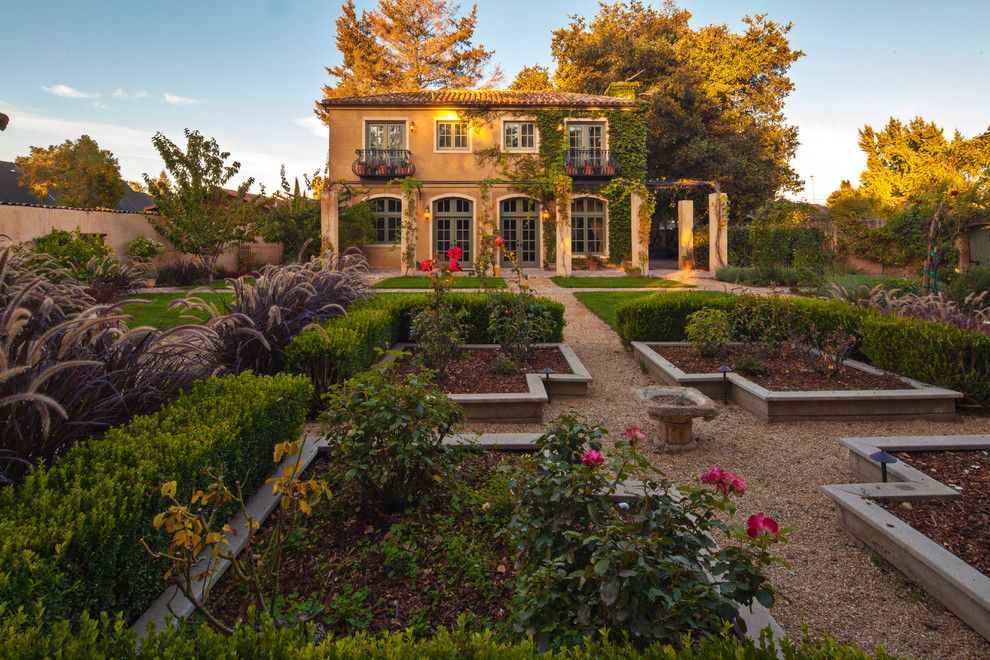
(883, 458)
(725, 370)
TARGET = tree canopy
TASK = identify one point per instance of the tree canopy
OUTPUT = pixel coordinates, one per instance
(195, 213)
(406, 45)
(713, 97)
(532, 79)
(78, 173)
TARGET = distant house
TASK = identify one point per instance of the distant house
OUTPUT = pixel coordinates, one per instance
(11, 192)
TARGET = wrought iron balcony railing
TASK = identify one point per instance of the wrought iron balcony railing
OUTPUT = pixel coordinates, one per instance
(591, 163)
(383, 163)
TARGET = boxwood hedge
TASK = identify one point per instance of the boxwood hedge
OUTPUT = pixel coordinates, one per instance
(931, 352)
(70, 533)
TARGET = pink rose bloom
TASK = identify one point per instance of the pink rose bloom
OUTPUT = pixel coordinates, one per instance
(713, 475)
(592, 458)
(635, 434)
(737, 485)
(499, 241)
(759, 525)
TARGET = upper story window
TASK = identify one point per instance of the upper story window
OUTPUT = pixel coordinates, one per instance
(519, 136)
(453, 136)
(586, 136)
(385, 135)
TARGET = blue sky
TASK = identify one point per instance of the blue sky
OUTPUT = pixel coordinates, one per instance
(247, 72)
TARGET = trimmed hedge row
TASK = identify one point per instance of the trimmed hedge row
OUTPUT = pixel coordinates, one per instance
(70, 534)
(931, 352)
(347, 345)
(102, 639)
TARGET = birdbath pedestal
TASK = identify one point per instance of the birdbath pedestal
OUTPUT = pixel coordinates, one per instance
(674, 409)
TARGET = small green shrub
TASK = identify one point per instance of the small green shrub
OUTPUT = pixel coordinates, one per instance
(974, 281)
(387, 432)
(709, 331)
(106, 637)
(765, 320)
(74, 250)
(72, 531)
(750, 367)
(144, 249)
(663, 316)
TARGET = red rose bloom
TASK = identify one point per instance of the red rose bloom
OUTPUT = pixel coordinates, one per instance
(454, 266)
(499, 241)
(455, 253)
(427, 265)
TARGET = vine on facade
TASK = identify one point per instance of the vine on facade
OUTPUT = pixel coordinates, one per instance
(410, 187)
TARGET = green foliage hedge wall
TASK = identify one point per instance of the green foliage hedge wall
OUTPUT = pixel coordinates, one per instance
(70, 534)
(930, 352)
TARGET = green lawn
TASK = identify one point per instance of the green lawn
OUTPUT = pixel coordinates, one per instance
(156, 313)
(603, 303)
(423, 282)
(618, 282)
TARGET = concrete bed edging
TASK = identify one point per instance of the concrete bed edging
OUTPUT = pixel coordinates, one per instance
(523, 407)
(960, 587)
(172, 605)
(916, 401)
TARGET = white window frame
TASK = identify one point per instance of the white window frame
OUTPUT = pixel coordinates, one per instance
(519, 150)
(437, 149)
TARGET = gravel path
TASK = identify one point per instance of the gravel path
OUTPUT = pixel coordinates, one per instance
(832, 585)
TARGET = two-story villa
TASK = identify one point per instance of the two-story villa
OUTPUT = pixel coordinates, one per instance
(533, 167)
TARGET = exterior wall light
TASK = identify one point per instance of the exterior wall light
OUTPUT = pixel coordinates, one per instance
(560, 128)
(545, 214)
(427, 215)
(412, 127)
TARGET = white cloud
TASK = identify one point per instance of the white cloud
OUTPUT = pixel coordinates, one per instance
(122, 95)
(100, 104)
(174, 99)
(69, 92)
(312, 124)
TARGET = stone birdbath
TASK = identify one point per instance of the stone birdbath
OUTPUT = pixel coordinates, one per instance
(674, 409)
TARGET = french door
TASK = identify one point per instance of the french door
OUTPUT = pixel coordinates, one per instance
(453, 218)
(519, 226)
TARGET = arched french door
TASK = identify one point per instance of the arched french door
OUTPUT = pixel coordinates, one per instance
(587, 227)
(453, 224)
(519, 226)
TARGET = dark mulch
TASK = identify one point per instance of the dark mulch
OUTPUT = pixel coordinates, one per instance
(787, 373)
(415, 569)
(478, 370)
(961, 525)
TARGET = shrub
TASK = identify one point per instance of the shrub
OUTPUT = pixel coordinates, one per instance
(437, 325)
(73, 250)
(974, 281)
(708, 330)
(106, 637)
(663, 316)
(183, 271)
(72, 531)
(854, 287)
(386, 431)
(514, 321)
(340, 348)
(110, 280)
(252, 332)
(144, 249)
(764, 320)
(67, 375)
(585, 564)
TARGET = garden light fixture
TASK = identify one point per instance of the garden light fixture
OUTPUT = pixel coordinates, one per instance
(883, 458)
(427, 215)
(546, 381)
(725, 370)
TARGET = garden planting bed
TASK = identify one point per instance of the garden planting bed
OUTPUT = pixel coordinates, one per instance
(791, 391)
(358, 569)
(932, 523)
(487, 393)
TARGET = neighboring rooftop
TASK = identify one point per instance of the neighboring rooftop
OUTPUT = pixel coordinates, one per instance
(11, 192)
(480, 98)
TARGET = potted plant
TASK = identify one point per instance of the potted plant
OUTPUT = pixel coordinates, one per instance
(569, 168)
(593, 263)
(382, 169)
(360, 169)
(610, 167)
(632, 270)
(687, 262)
(588, 168)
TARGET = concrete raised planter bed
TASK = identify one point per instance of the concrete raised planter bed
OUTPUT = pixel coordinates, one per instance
(960, 587)
(172, 606)
(916, 401)
(522, 406)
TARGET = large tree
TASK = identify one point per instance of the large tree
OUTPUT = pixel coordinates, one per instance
(77, 173)
(406, 45)
(713, 97)
(534, 78)
(194, 211)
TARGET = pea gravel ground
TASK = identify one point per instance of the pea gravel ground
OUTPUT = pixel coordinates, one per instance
(832, 585)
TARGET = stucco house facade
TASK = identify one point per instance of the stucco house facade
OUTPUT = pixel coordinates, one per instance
(554, 174)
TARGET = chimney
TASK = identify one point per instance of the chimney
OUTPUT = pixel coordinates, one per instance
(625, 90)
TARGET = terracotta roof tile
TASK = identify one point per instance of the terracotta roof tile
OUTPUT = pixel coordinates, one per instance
(470, 98)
